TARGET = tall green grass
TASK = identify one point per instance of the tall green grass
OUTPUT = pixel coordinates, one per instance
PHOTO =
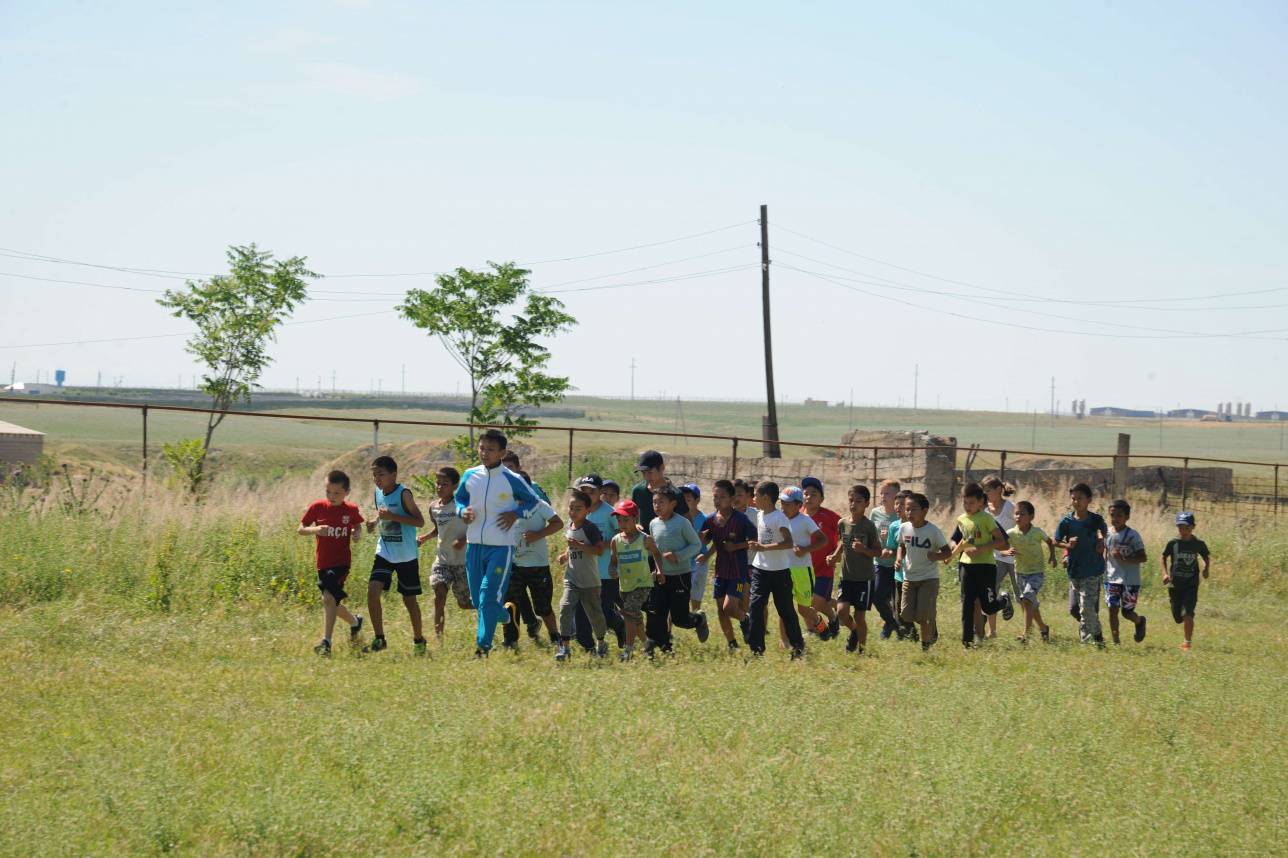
(161, 696)
(169, 553)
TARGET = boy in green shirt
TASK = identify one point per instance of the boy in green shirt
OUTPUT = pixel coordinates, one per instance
(976, 538)
(1026, 542)
(858, 545)
(630, 551)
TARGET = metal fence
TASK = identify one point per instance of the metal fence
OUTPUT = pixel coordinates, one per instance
(1179, 481)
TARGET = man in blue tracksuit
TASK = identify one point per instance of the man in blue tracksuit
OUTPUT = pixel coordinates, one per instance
(491, 498)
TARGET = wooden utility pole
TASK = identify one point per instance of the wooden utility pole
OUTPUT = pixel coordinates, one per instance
(770, 425)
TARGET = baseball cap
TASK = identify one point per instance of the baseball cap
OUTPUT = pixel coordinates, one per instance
(692, 488)
(626, 507)
(1185, 518)
(612, 483)
(594, 481)
(812, 482)
(792, 494)
(649, 459)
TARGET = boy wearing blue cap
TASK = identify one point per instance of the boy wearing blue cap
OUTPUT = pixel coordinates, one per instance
(807, 538)
(1181, 573)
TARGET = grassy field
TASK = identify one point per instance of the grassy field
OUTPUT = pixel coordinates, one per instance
(162, 696)
(272, 448)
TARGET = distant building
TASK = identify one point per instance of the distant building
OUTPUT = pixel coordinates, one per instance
(1114, 411)
(815, 403)
(29, 387)
(1191, 413)
(19, 445)
(1272, 415)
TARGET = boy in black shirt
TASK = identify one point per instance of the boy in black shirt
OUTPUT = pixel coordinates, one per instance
(1181, 573)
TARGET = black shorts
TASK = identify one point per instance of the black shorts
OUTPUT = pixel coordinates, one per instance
(540, 586)
(1184, 599)
(332, 581)
(383, 570)
(858, 593)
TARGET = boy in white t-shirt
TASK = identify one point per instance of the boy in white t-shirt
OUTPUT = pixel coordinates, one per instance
(806, 538)
(1124, 552)
(771, 554)
(922, 547)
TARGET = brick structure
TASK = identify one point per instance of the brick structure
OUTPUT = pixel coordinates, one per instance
(19, 445)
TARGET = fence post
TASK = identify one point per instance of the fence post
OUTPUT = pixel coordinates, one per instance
(570, 456)
(1276, 490)
(375, 438)
(1122, 460)
(733, 460)
(1185, 483)
(145, 446)
(1001, 475)
(875, 479)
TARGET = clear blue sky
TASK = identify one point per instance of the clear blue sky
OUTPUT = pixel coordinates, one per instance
(1075, 152)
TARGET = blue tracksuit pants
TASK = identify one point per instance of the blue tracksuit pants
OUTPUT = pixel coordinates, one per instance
(487, 568)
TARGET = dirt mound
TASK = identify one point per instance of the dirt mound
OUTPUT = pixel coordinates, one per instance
(414, 457)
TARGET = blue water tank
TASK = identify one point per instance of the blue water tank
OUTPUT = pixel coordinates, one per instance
(60, 375)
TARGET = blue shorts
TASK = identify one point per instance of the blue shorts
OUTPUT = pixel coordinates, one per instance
(1121, 596)
(731, 587)
(823, 588)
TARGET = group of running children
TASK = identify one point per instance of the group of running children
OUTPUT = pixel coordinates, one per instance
(639, 566)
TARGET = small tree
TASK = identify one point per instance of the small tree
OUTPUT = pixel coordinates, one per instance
(237, 315)
(467, 311)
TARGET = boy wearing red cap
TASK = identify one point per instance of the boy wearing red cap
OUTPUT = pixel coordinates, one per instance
(628, 564)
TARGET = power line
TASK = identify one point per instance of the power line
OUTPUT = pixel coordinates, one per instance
(968, 317)
(653, 266)
(1011, 293)
(176, 274)
(185, 333)
(1019, 297)
(640, 246)
(163, 291)
(654, 282)
(999, 302)
(373, 297)
(660, 281)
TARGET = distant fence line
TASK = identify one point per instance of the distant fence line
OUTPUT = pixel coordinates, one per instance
(1208, 484)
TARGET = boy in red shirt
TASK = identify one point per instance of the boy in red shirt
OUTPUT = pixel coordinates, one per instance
(334, 522)
(824, 567)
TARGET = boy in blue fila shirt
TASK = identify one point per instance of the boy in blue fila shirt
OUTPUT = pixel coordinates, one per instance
(491, 498)
(397, 516)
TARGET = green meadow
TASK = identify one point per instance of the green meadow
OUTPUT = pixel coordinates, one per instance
(162, 697)
(277, 446)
